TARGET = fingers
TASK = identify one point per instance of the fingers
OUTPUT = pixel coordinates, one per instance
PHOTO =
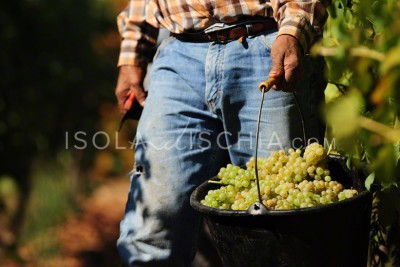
(122, 96)
(129, 87)
(126, 98)
(277, 64)
(286, 62)
(292, 73)
(140, 95)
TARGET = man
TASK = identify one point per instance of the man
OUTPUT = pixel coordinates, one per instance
(202, 104)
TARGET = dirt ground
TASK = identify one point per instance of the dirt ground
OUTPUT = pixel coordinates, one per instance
(89, 240)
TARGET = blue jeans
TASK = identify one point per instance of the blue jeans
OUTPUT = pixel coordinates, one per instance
(201, 114)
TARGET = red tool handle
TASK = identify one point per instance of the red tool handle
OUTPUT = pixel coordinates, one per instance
(129, 102)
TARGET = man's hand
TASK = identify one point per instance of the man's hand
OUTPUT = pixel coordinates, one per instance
(130, 79)
(287, 57)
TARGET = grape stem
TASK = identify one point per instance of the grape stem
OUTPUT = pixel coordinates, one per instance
(214, 182)
(329, 149)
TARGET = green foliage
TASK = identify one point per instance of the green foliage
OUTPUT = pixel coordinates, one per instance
(362, 47)
(50, 199)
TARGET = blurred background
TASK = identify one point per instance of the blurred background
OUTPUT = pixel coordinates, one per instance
(60, 205)
(63, 170)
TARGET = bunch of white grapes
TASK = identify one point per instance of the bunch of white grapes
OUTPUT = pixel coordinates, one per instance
(287, 181)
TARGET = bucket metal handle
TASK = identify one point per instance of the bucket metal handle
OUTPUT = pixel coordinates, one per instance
(258, 208)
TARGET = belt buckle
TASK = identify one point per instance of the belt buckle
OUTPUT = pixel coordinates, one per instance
(215, 37)
(249, 32)
(218, 38)
(214, 31)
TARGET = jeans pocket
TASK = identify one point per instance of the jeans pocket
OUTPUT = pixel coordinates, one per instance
(163, 44)
(268, 37)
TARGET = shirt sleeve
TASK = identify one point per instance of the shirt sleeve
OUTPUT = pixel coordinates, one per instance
(138, 37)
(303, 19)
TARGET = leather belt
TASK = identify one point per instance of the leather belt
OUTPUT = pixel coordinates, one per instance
(229, 34)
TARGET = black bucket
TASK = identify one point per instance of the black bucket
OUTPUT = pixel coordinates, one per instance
(332, 235)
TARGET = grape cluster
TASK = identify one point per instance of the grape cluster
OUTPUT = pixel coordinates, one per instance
(314, 153)
(287, 181)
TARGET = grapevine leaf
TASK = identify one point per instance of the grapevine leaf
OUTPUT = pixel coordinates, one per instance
(369, 181)
(343, 114)
(384, 166)
(332, 92)
(348, 161)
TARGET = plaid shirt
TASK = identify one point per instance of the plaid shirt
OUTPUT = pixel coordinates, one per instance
(140, 21)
